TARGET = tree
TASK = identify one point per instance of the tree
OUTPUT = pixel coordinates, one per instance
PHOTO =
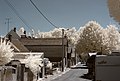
(57, 32)
(91, 38)
(71, 34)
(21, 31)
(6, 52)
(113, 38)
(114, 9)
(34, 63)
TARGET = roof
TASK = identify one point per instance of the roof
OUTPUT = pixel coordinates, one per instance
(43, 41)
(25, 55)
(12, 45)
(19, 45)
(14, 35)
(52, 47)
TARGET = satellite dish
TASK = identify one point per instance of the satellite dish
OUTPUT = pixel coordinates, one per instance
(114, 9)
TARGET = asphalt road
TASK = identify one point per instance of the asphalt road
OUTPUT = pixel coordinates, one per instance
(74, 74)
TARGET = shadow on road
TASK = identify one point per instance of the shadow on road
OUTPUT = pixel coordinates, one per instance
(87, 76)
(84, 77)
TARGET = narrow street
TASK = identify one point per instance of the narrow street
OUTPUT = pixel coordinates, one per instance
(73, 75)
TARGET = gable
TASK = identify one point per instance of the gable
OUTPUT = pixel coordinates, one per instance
(13, 34)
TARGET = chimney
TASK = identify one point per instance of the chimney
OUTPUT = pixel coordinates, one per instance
(25, 32)
(24, 35)
(10, 37)
(14, 29)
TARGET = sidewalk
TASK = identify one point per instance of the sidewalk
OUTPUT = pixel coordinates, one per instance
(56, 74)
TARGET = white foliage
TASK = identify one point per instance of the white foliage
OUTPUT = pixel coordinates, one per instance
(94, 37)
(43, 35)
(90, 38)
(33, 33)
(47, 34)
(114, 9)
(48, 64)
(21, 31)
(34, 63)
(6, 52)
(71, 34)
(113, 38)
(57, 32)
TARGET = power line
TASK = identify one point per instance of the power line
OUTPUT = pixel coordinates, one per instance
(42, 14)
(16, 12)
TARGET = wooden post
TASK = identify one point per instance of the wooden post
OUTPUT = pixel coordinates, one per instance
(2, 74)
(8, 75)
(30, 75)
(22, 71)
(43, 71)
(19, 72)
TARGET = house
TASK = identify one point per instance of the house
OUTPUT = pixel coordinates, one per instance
(54, 48)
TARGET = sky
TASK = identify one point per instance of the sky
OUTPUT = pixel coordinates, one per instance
(62, 13)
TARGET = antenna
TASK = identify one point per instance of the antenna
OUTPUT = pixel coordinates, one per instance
(8, 23)
(18, 15)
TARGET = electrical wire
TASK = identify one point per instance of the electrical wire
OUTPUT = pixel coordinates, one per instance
(16, 12)
(42, 14)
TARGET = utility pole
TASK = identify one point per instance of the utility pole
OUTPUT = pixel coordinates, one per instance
(63, 50)
(8, 24)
